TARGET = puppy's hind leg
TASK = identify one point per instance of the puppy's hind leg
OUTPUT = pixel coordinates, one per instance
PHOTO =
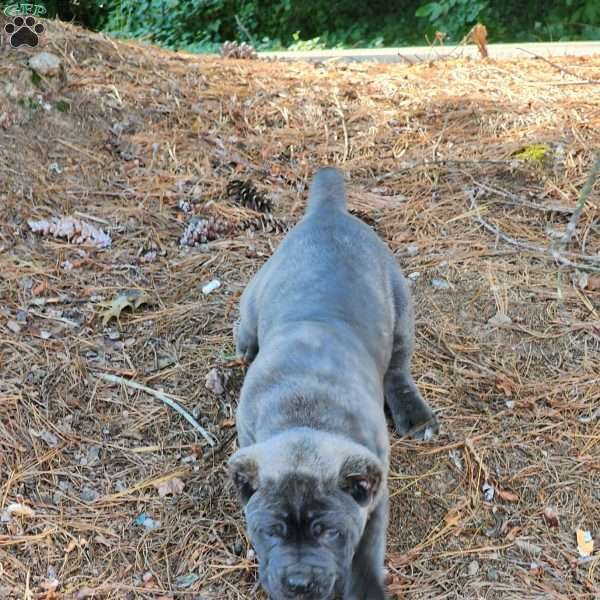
(410, 412)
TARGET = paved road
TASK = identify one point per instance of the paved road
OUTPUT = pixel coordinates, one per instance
(418, 54)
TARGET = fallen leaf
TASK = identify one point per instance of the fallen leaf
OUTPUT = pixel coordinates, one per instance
(170, 487)
(70, 546)
(508, 496)
(452, 517)
(13, 326)
(17, 509)
(40, 288)
(85, 592)
(215, 381)
(479, 37)
(505, 385)
(551, 517)
(529, 547)
(123, 299)
(48, 437)
(585, 543)
(593, 283)
(228, 423)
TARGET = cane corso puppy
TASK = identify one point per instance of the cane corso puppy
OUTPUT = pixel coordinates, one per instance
(327, 327)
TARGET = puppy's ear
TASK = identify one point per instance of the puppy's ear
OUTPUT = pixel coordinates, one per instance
(361, 476)
(243, 470)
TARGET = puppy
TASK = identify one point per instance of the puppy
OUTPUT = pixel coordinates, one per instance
(327, 326)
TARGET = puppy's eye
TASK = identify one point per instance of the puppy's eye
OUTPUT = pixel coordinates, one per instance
(276, 531)
(320, 531)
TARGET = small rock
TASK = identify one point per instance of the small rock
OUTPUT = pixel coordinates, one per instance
(48, 437)
(88, 494)
(488, 492)
(499, 319)
(215, 382)
(211, 286)
(185, 581)
(13, 326)
(45, 63)
(440, 284)
(473, 568)
(492, 574)
(414, 276)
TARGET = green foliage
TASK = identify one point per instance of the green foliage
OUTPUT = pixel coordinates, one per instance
(452, 17)
(202, 25)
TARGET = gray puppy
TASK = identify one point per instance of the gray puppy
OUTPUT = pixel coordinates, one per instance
(327, 325)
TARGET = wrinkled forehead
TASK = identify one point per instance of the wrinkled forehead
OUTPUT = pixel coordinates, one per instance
(297, 495)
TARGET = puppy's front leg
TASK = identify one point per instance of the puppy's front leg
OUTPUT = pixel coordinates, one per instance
(366, 578)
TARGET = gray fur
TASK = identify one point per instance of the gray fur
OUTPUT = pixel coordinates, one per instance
(327, 325)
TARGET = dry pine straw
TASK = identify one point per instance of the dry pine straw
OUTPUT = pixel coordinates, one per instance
(518, 401)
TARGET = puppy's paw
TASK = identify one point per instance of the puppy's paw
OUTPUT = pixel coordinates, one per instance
(419, 424)
(427, 430)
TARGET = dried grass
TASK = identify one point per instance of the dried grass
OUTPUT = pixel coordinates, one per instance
(518, 401)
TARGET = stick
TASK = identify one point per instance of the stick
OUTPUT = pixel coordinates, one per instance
(163, 398)
(546, 252)
(517, 200)
(561, 69)
(583, 196)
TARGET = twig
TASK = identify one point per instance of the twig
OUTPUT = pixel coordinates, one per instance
(561, 69)
(341, 113)
(517, 200)
(163, 398)
(583, 196)
(546, 252)
(444, 161)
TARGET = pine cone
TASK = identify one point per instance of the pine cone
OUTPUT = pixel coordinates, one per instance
(265, 222)
(235, 50)
(244, 193)
(203, 230)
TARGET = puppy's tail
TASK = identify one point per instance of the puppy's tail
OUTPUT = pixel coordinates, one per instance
(327, 188)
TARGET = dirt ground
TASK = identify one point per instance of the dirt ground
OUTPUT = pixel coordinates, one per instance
(469, 169)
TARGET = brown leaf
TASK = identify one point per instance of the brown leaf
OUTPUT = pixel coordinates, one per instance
(172, 487)
(593, 283)
(124, 299)
(40, 288)
(505, 385)
(452, 517)
(479, 37)
(508, 495)
(551, 516)
(85, 592)
(228, 423)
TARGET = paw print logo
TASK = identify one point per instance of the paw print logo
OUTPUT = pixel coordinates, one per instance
(24, 32)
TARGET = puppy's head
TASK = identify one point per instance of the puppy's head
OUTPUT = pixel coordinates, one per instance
(306, 504)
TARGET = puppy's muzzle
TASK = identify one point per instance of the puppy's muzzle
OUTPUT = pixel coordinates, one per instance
(305, 582)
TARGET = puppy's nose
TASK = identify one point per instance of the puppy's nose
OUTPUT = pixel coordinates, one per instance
(299, 582)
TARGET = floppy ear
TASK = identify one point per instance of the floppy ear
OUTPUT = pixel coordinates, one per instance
(361, 476)
(243, 470)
